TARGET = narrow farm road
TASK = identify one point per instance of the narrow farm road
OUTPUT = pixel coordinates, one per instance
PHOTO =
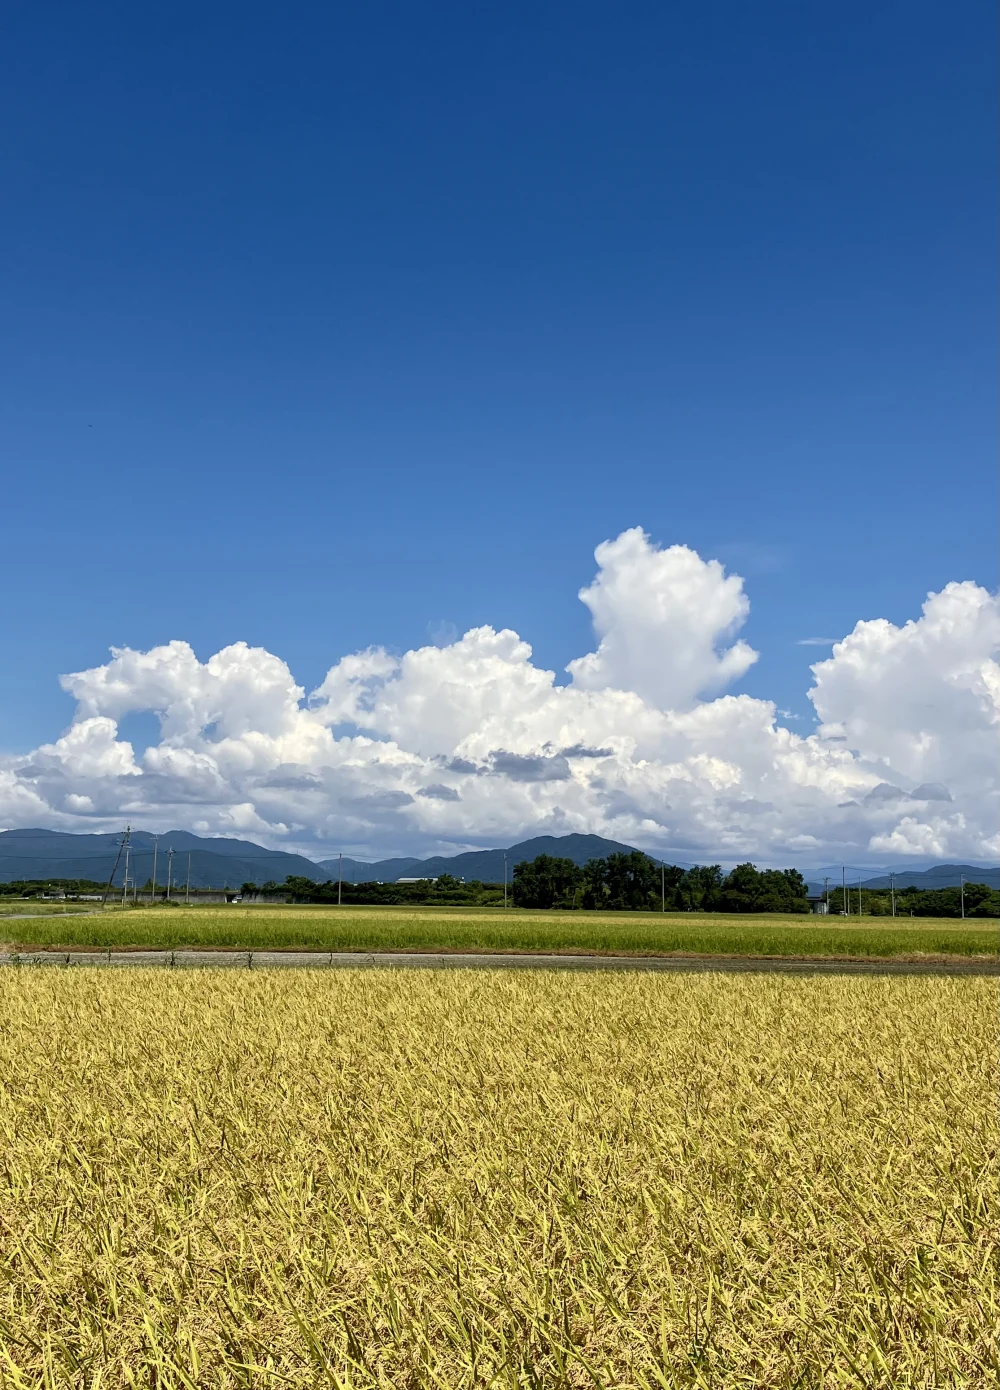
(413, 960)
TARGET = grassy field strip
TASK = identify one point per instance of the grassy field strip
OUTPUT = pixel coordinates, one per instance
(478, 1179)
(18, 907)
(303, 911)
(351, 929)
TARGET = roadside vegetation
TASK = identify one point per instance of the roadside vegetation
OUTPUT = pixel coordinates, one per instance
(375, 1180)
(463, 929)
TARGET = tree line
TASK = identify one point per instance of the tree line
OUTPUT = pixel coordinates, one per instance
(32, 887)
(635, 883)
(445, 891)
(980, 900)
(621, 882)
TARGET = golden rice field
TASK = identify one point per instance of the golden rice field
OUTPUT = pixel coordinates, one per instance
(470, 1179)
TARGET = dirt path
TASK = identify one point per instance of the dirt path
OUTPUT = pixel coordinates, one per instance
(261, 960)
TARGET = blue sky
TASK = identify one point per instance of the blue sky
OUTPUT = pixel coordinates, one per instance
(328, 325)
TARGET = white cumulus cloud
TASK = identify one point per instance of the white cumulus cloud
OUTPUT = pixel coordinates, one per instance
(663, 618)
(468, 742)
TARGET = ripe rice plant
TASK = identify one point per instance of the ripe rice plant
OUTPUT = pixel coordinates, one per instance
(482, 1179)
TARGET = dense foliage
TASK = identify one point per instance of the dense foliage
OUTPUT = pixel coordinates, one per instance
(979, 901)
(621, 882)
(443, 891)
(32, 887)
(635, 883)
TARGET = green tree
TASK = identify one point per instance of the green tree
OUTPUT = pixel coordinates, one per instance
(594, 886)
(546, 882)
(698, 889)
(981, 900)
(633, 882)
(747, 889)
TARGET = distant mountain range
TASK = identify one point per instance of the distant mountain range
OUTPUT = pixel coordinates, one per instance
(486, 865)
(938, 876)
(214, 863)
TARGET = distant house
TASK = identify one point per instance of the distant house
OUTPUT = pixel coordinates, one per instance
(416, 880)
(818, 903)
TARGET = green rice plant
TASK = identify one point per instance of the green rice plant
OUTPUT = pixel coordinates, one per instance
(477, 1178)
(463, 929)
(30, 907)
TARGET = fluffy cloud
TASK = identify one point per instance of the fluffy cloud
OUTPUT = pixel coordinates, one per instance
(468, 742)
(661, 617)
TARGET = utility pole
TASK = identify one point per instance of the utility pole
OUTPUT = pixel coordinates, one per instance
(892, 892)
(125, 879)
(859, 897)
(505, 880)
(663, 887)
(152, 891)
(340, 879)
(845, 906)
(121, 845)
(826, 895)
(962, 891)
(187, 886)
(170, 866)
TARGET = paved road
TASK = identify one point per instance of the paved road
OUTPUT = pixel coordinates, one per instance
(259, 960)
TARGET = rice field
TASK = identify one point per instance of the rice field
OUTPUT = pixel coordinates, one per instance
(30, 907)
(484, 1179)
(458, 929)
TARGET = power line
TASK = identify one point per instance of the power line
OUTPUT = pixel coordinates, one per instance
(121, 844)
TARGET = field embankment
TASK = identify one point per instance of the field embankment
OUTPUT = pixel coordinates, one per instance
(390, 1179)
(415, 929)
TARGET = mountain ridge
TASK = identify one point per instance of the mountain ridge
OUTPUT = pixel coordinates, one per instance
(486, 864)
(937, 876)
(37, 853)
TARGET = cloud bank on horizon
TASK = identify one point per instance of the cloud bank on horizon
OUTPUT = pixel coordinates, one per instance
(469, 743)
